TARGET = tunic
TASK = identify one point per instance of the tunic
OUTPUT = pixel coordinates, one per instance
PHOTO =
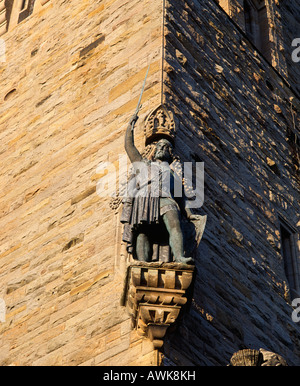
(150, 194)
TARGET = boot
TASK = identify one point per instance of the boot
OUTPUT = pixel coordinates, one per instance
(185, 260)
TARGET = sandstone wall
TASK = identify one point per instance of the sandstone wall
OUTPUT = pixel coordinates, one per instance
(235, 115)
(71, 81)
(283, 28)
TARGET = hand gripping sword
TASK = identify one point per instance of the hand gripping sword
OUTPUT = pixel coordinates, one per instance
(139, 106)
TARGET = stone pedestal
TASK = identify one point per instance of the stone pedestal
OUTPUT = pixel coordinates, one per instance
(154, 294)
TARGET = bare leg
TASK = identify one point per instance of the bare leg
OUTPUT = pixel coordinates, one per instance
(172, 222)
(142, 247)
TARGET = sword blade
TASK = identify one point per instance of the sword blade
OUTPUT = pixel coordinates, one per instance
(139, 102)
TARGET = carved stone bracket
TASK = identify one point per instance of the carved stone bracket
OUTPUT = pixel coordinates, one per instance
(154, 294)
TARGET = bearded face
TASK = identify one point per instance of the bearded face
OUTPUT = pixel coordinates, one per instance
(163, 151)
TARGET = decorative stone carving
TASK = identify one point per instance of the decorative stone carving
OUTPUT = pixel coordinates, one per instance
(154, 294)
(272, 359)
(247, 357)
(115, 202)
(261, 357)
(160, 123)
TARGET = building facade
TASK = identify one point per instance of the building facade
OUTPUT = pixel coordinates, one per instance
(71, 76)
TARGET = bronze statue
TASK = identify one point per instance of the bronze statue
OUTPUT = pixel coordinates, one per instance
(152, 207)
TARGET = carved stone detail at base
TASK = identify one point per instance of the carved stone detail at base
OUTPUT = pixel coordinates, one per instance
(261, 357)
(154, 294)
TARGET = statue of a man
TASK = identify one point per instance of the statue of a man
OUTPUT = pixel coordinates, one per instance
(153, 201)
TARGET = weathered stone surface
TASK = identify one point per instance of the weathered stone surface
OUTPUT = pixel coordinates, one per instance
(154, 294)
(254, 358)
(224, 97)
(71, 80)
(247, 357)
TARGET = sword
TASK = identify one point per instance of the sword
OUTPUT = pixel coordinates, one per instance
(139, 106)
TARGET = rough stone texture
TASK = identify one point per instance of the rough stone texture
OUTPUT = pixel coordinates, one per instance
(71, 81)
(284, 27)
(250, 357)
(235, 115)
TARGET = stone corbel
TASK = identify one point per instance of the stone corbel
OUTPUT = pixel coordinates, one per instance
(154, 294)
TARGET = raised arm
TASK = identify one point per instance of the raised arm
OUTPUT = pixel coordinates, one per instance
(132, 152)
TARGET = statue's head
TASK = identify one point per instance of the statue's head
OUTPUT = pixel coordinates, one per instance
(163, 150)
